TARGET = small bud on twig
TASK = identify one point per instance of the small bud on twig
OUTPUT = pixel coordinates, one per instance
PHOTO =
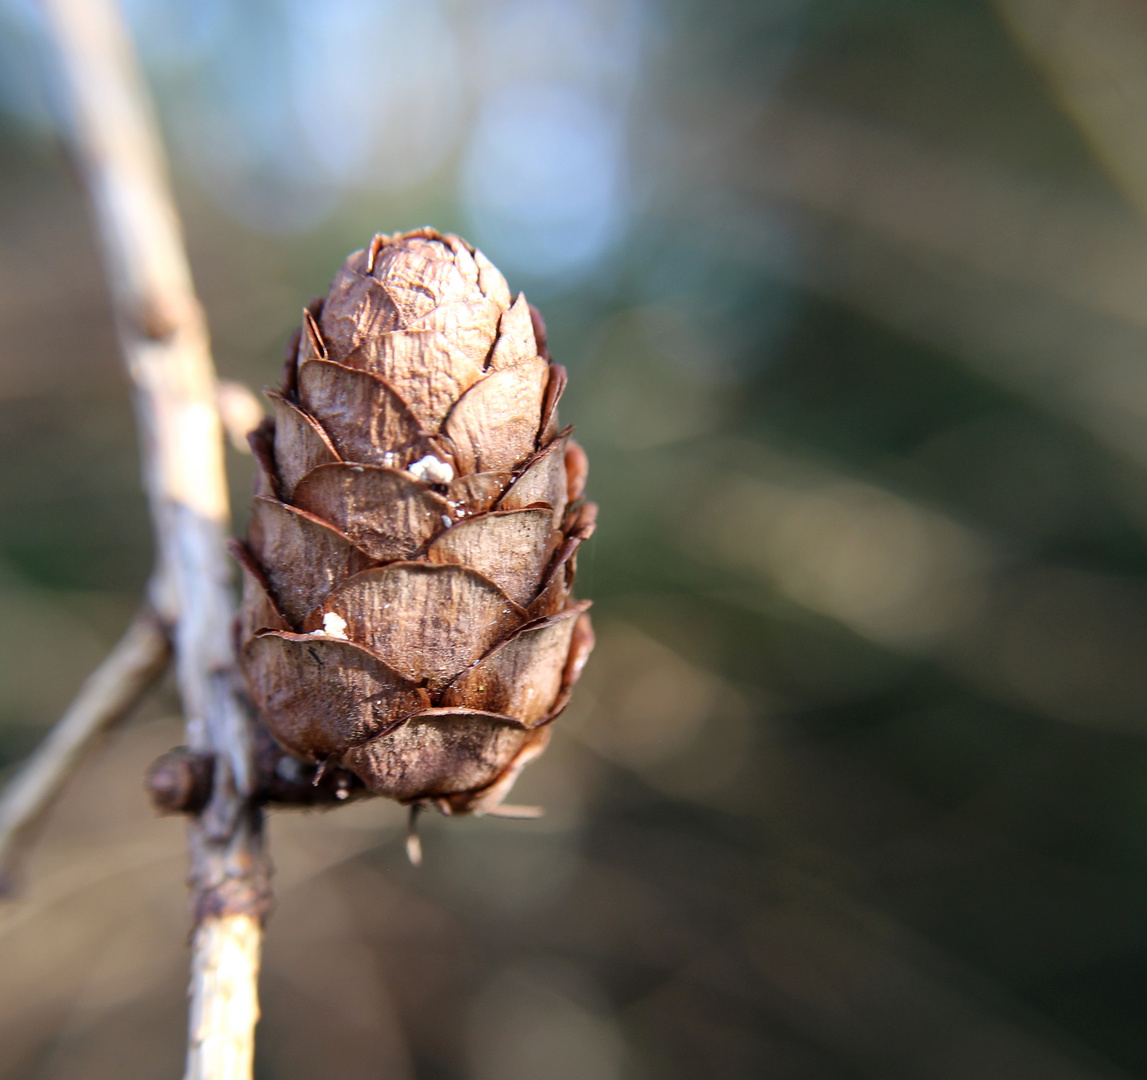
(180, 781)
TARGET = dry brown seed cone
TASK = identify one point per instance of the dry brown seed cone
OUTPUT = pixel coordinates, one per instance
(407, 571)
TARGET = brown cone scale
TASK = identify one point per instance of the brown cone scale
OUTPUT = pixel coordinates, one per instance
(407, 610)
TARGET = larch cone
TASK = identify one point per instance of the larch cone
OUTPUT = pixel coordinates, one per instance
(407, 610)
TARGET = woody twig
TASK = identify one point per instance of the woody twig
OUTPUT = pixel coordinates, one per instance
(108, 694)
(163, 337)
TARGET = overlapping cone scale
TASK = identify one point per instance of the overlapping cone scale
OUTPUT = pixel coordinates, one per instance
(407, 572)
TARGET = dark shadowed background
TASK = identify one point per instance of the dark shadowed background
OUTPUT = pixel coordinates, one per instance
(853, 294)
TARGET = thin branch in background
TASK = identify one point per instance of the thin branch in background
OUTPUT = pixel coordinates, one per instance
(241, 411)
(108, 694)
(163, 337)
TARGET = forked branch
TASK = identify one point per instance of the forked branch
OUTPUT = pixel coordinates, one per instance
(164, 341)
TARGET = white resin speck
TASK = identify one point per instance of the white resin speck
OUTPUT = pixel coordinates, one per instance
(432, 471)
(334, 625)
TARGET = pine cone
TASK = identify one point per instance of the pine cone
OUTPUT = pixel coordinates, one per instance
(407, 571)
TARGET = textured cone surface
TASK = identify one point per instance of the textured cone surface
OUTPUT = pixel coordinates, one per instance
(407, 575)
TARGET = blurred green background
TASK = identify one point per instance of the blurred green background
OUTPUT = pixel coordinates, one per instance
(853, 294)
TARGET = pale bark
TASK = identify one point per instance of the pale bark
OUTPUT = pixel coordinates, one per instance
(224, 998)
(163, 337)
